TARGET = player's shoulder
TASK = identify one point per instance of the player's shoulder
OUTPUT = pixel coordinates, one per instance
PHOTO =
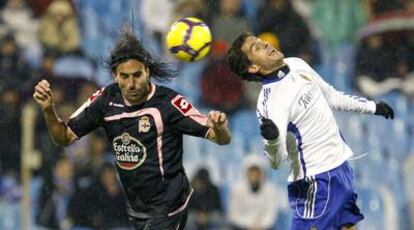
(97, 101)
(295, 62)
(174, 101)
(105, 92)
(165, 92)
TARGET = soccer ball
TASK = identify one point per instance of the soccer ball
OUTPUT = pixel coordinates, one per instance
(189, 39)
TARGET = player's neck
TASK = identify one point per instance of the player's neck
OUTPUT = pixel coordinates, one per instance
(276, 75)
(274, 68)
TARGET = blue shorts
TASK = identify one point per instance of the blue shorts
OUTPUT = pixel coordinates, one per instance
(325, 201)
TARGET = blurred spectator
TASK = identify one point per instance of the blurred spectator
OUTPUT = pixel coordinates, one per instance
(110, 200)
(338, 20)
(18, 20)
(84, 201)
(10, 132)
(98, 201)
(45, 70)
(220, 89)
(376, 67)
(10, 189)
(14, 70)
(54, 197)
(409, 5)
(378, 7)
(39, 7)
(192, 8)
(205, 208)
(229, 22)
(280, 18)
(405, 66)
(94, 156)
(59, 29)
(253, 200)
(157, 26)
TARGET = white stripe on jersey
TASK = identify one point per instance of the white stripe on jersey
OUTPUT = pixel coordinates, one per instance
(302, 102)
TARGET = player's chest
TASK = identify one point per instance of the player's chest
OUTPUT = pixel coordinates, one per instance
(133, 136)
(142, 124)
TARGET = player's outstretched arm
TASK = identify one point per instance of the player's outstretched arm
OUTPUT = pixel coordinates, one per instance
(58, 130)
(219, 132)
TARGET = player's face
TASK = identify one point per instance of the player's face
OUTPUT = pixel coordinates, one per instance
(264, 57)
(133, 79)
(254, 175)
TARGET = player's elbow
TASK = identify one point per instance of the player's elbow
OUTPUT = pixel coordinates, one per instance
(276, 163)
(64, 140)
(62, 143)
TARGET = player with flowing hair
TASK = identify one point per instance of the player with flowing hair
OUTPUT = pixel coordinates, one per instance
(145, 124)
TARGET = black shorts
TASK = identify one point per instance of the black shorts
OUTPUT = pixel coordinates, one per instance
(176, 222)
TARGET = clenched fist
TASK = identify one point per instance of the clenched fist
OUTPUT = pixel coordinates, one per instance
(216, 120)
(383, 109)
(268, 129)
(43, 95)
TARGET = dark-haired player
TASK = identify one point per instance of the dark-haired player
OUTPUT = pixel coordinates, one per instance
(295, 99)
(145, 124)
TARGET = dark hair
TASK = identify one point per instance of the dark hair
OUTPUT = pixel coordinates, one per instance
(238, 61)
(128, 46)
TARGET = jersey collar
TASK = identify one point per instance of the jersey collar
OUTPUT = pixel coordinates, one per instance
(276, 75)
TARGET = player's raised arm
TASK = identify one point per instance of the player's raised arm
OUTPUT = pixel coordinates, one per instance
(58, 130)
(338, 100)
(219, 132)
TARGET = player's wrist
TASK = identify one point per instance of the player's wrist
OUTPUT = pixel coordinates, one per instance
(48, 110)
(273, 142)
(220, 128)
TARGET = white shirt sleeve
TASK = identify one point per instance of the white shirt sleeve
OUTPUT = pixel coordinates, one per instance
(338, 100)
(275, 150)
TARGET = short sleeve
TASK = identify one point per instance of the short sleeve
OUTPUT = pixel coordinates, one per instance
(89, 116)
(185, 118)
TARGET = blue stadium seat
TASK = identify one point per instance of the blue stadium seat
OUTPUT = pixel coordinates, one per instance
(284, 220)
(192, 147)
(245, 123)
(10, 215)
(371, 205)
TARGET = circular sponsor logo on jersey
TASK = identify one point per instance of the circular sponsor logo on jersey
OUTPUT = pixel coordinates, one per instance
(129, 152)
(125, 139)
